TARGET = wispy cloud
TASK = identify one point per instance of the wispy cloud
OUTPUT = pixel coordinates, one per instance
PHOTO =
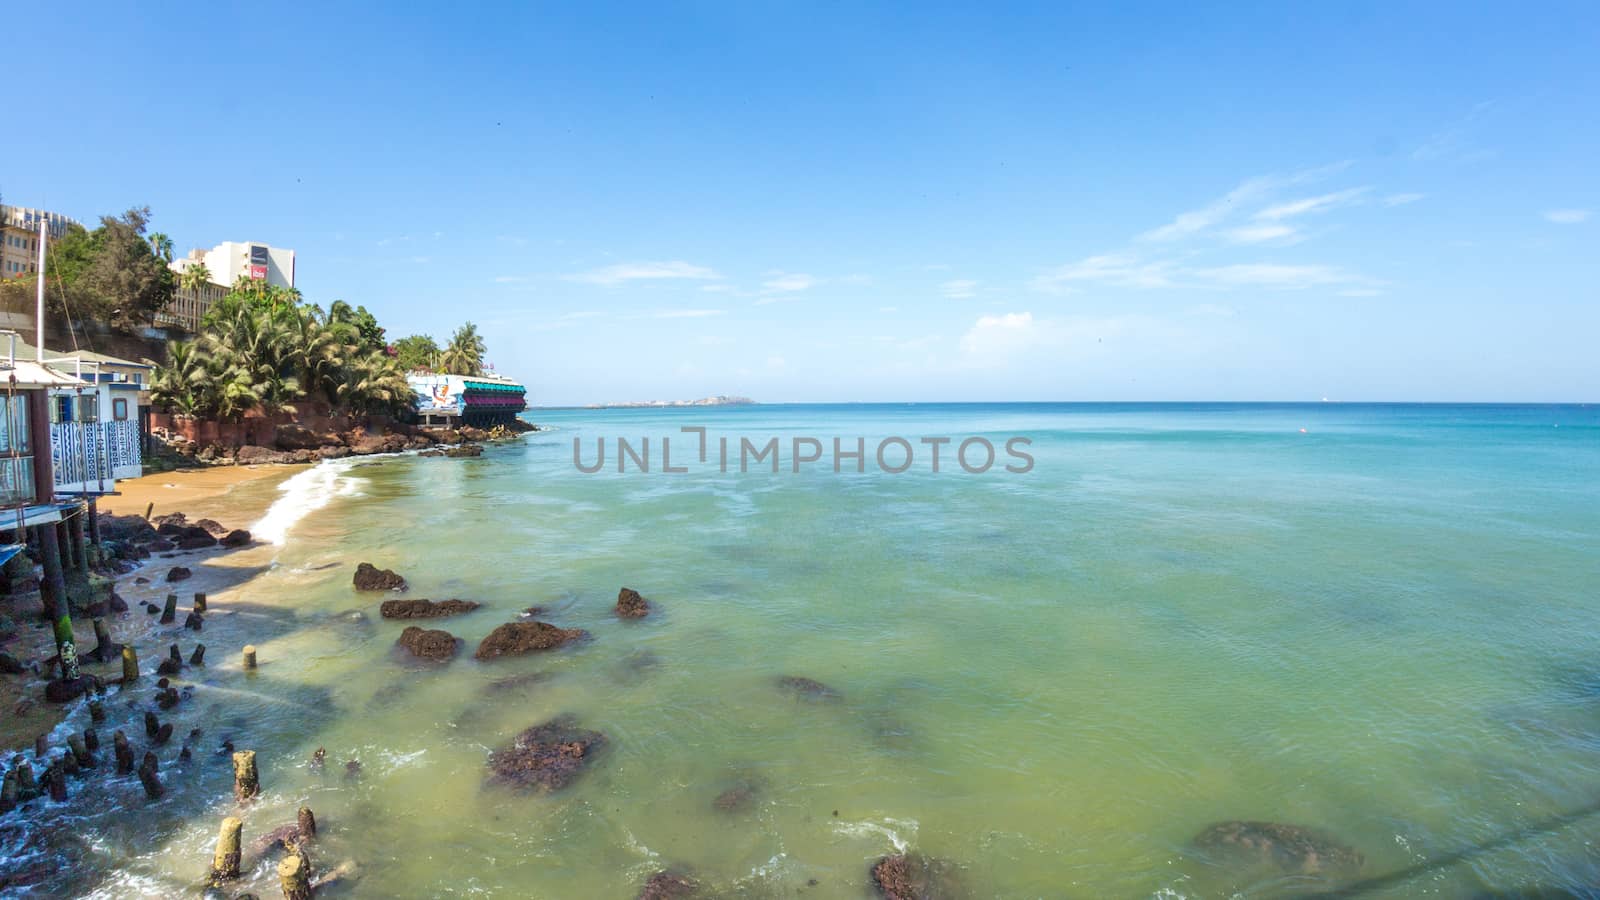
(1454, 142)
(1116, 270)
(688, 313)
(610, 276)
(510, 279)
(1401, 199)
(788, 282)
(1263, 233)
(1249, 191)
(1567, 216)
(960, 289)
(1277, 276)
(1308, 205)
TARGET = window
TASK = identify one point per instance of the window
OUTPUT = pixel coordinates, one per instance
(60, 409)
(89, 408)
(119, 409)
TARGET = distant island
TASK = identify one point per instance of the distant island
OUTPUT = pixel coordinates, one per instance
(719, 400)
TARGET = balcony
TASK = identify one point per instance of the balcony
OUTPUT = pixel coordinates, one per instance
(89, 457)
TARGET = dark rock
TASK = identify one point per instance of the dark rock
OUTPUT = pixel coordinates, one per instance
(212, 527)
(352, 769)
(806, 688)
(428, 643)
(178, 573)
(465, 451)
(256, 456)
(277, 839)
(115, 602)
(516, 638)
(133, 529)
(632, 606)
(546, 757)
(911, 876)
(370, 578)
(197, 542)
(9, 665)
(160, 545)
(235, 538)
(431, 453)
(738, 798)
(299, 437)
(61, 690)
(1292, 848)
(425, 609)
(333, 452)
(319, 758)
(669, 885)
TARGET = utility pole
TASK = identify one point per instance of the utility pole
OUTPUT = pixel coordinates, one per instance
(38, 314)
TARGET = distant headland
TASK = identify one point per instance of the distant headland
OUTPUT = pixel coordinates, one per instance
(719, 400)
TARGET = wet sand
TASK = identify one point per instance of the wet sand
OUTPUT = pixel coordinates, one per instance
(237, 496)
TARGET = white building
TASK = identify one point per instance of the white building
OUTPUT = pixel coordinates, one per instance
(231, 260)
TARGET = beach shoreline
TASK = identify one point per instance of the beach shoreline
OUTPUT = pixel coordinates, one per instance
(236, 495)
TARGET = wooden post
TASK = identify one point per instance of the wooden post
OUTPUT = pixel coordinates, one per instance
(94, 523)
(130, 665)
(294, 876)
(249, 656)
(194, 621)
(58, 783)
(91, 740)
(199, 601)
(124, 753)
(225, 864)
(80, 750)
(246, 783)
(148, 509)
(8, 792)
(53, 589)
(307, 823)
(41, 746)
(27, 788)
(169, 613)
(198, 657)
(97, 710)
(80, 539)
(64, 541)
(149, 778)
(104, 648)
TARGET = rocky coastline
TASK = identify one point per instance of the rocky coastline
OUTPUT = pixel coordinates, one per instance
(300, 445)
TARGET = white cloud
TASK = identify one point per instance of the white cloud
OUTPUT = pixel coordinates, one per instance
(1274, 275)
(621, 273)
(1261, 234)
(1401, 199)
(688, 313)
(1306, 205)
(1117, 270)
(1567, 216)
(960, 289)
(1248, 191)
(788, 282)
(992, 335)
(510, 279)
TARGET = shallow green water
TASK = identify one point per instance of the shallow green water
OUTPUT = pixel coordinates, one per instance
(1385, 628)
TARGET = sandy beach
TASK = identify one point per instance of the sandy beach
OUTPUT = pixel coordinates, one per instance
(235, 495)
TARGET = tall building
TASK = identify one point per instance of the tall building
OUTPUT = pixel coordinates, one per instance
(19, 238)
(231, 260)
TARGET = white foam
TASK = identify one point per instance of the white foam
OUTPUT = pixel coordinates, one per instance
(304, 494)
(899, 832)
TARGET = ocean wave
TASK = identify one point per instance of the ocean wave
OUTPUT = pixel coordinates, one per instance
(304, 494)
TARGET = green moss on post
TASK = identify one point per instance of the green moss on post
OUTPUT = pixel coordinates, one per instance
(294, 876)
(225, 863)
(246, 782)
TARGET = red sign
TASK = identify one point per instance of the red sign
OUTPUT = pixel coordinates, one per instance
(258, 273)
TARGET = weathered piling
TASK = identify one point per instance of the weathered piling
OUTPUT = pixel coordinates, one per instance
(225, 863)
(97, 711)
(151, 724)
(68, 763)
(105, 649)
(307, 822)
(246, 783)
(91, 740)
(294, 876)
(27, 788)
(173, 664)
(198, 657)
(150, 778)
(41, 746)
(199, 602)
(148, 509)
(57, 779)
(80, 750)
(169, 613)
(130, 665)
(249, 656)
(124, 752)
(163, 734)
(194, 621)
(8, 792)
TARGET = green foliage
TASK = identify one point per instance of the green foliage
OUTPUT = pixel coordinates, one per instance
(464, 354)
(418, 351)
(362, 324)
(260, 348)
(111, 274)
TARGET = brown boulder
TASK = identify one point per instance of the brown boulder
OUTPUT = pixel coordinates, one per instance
(632, 606)
(546, 757)
(335, 451)
(133, 529)
(425, 609)
(668, 886)
(428, 643)
(517, 638)
(251, 455)
(235, 538)
(178, 573)
(371, 578)
(465, 451)
(197, 542)
(212, 527)
(911, 876)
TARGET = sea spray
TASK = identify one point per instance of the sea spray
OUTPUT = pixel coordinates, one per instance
(304, 494)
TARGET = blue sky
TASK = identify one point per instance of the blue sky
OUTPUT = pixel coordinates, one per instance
(805, 202)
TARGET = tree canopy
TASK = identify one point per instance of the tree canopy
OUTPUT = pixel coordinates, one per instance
(111, 274)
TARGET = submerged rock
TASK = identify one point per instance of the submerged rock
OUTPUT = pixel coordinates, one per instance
(546, 757)
(517, 682)
(425, 609)
(178, 573)
(912, 876)
(807, 688)
(428, 643)
(667, 885)
(632, 606)
(738, 798)
(516, 638)
(371, 578)
(1292, 848)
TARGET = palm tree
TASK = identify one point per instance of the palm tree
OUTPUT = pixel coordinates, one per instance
(195, 277)
(161, 245)
(182, 385)
(464, 354)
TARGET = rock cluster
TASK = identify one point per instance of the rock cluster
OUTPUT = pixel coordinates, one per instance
(428, 643)
(1294, 849)
(546, 757)
(425, 609)
(517, 638)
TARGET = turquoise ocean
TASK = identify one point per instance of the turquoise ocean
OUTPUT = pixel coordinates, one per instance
(1381, 622)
